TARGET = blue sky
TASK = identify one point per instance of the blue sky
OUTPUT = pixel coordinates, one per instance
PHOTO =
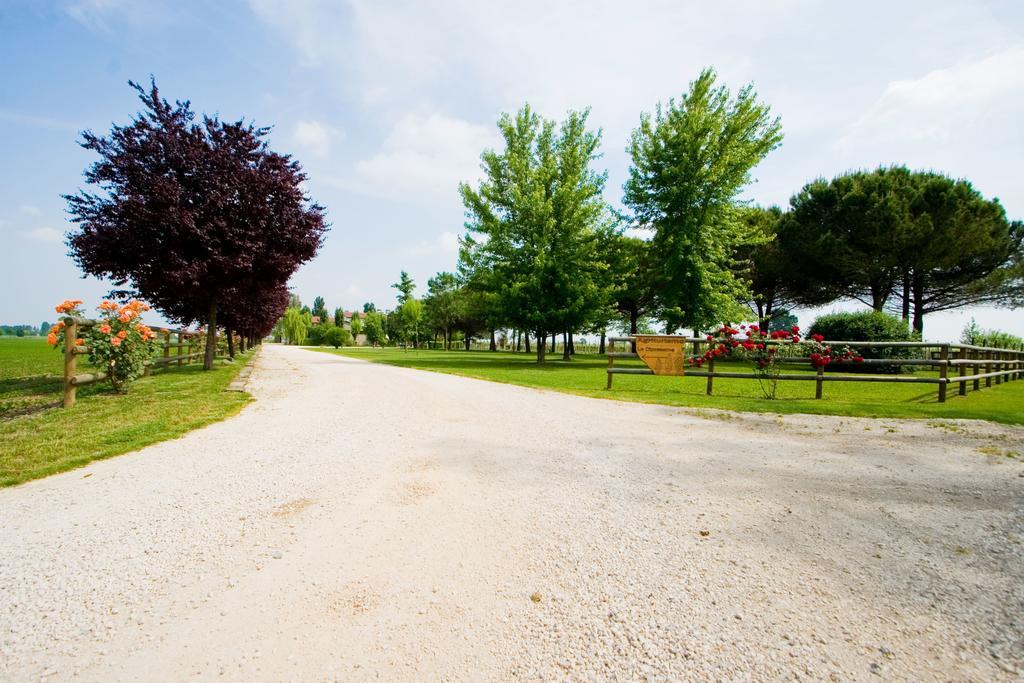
(389, 104)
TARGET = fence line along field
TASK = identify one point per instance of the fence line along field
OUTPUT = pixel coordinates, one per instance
(973, 364)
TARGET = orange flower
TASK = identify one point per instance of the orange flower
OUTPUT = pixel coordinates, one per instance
(51, 339)
(122, 334)
(79, 342)
(115, 341)
(54, 329)
(125, 317)
(108, 306)
(68, 305)
(60, 324)
(105, 329)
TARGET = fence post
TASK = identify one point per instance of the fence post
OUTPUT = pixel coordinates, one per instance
(181, 348)
(611, 361)
(988, 368)
(819, 382)
(976, 369)
(167, 345)
(963, 372)
(711, 374)
(70, 335)
(943, 371)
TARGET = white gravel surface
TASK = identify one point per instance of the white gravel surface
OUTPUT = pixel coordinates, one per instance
(360, 521)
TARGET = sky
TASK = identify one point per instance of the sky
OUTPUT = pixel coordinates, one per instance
(388, 106)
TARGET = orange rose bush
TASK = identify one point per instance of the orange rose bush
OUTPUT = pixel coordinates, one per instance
(119, 343)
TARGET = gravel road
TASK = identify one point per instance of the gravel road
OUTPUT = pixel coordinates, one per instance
(360, 522)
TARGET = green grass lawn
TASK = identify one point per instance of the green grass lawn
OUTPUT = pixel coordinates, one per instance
(37, 439)
(585, 375)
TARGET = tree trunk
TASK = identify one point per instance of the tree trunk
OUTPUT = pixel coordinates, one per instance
(231, 342)
(565, 347)
(494, 342)
(241, 343)
(572, 345)
(466, 339)
(633, 327)
(906, 297)
(878, 298)
(918, 294)
(211, 337)
(769, 309)
(600, 349)
(542, 346)
(554, 340)
(525, 336)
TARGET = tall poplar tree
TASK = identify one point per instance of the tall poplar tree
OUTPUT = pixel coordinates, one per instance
(533, 221)
(691, 159)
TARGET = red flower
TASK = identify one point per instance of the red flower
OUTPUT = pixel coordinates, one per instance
(817, 337)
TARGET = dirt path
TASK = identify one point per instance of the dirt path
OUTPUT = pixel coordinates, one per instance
(360, 521)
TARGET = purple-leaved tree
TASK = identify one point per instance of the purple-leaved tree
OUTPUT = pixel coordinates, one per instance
(188, 215)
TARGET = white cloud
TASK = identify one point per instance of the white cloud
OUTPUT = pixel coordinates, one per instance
(315, 137)
(30, 210)
(944, 103)
(445, 244)
(425, 157)
(50, 235)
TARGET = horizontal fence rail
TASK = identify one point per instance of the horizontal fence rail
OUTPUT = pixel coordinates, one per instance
(972, 364)
(183, 340)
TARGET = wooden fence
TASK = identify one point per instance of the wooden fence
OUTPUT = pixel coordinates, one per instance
(72, 379)
(960, 364)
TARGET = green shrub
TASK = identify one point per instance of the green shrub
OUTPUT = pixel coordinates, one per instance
(337, 336)
(868, 326)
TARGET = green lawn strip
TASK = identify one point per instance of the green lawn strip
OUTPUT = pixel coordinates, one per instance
(585, 375)
(104, 424)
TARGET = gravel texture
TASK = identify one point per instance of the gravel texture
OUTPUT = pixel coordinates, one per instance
(360, 521)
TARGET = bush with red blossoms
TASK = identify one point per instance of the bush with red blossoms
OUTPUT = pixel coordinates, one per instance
(762, 349)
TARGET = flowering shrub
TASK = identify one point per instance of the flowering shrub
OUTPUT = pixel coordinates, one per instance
(763, 349)
(120, 343)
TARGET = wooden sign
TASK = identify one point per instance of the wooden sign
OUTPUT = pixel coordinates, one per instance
(663, 355)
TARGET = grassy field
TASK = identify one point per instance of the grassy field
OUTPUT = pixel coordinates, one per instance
(585, 375)
(37, 440)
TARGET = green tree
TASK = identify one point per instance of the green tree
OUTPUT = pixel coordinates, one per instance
(374, 328)
(405, 287)
(412, 318)
(368, 307)
(966, 251)
(847, 237)
(339, 317)
(356, 324)
(294, 325)
(633, 280)
(933, 240)
(442, 305)
(691, 160)
(320, 309)
(763, 264)
(537, 211)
